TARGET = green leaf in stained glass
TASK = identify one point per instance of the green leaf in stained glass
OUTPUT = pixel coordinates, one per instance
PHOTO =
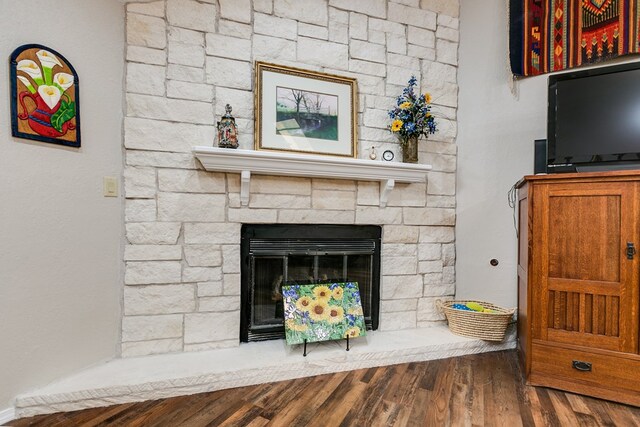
(66, 112)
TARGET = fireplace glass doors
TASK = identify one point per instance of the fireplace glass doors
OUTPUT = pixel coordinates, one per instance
(277, 254)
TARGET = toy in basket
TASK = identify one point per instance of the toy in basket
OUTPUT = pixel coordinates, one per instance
(476, 319)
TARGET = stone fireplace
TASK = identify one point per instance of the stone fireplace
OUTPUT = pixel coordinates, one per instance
(183, 279)
(186, 59)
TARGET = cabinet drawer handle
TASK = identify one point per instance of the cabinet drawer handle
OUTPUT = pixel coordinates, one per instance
(582, 366)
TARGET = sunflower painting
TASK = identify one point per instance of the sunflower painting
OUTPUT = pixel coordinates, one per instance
(322, 312)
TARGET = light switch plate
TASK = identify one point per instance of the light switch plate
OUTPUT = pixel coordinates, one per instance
(110, 186)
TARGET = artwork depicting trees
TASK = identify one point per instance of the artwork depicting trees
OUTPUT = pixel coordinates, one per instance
(306, 114)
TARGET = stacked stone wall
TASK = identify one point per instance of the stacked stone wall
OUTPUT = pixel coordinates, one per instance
(186, 59)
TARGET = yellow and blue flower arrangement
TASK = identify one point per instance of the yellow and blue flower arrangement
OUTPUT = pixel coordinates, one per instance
(412, 114)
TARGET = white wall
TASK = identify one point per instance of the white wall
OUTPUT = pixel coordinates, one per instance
(59, 237)
(495, 149)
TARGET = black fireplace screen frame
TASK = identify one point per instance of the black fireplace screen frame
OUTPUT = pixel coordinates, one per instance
(324, 233)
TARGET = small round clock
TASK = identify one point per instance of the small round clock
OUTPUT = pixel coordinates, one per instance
(387, 155)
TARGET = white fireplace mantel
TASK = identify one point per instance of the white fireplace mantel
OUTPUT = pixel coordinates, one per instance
(248, 162)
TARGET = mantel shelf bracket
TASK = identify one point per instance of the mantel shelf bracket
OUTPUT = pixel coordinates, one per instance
(245, 184)
(385, 189)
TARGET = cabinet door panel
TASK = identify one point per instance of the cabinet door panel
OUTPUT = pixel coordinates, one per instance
(587, 287)
(584, 237)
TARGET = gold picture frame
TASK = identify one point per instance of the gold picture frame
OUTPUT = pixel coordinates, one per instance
(305, 111)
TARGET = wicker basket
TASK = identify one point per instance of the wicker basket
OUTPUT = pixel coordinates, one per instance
(476, 324)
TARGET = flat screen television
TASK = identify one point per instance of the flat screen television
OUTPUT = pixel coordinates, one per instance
(594, 119)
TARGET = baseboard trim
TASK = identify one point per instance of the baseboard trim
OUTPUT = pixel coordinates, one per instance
(7, 415)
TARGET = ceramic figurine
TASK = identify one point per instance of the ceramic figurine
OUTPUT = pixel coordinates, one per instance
(227, 130)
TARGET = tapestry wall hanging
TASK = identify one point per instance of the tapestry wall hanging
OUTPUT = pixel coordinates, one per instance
(322, 312)
(553, 35)
(44, 96)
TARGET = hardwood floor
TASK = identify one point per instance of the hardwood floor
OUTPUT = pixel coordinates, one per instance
(476, 390)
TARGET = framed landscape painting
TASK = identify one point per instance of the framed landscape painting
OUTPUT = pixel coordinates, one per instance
(304, 111)
(45, 96)
(322, 312)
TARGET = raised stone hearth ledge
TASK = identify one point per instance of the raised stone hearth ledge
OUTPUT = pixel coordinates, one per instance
(247, 162)
(155, 377)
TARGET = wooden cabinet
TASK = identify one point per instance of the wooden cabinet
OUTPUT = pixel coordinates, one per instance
(578, 283)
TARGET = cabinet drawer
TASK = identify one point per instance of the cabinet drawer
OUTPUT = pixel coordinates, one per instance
(586, 372)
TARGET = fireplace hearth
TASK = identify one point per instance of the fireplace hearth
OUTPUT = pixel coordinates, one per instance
(276, 254)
